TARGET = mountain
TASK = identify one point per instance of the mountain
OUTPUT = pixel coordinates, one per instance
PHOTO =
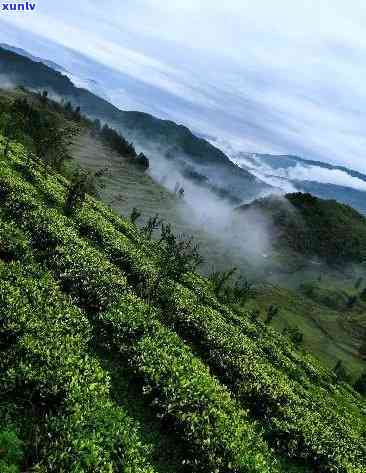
(115, 355)
(313, 227)
(292, 173)
(82, 82)
(166, 143)
(23, 52)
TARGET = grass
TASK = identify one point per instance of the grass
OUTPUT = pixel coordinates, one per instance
(327, 333)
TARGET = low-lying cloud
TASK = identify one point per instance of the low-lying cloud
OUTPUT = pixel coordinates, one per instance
(322, 175)
(289, 178)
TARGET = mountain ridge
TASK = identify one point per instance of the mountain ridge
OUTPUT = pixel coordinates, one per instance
(293, 173)
(157, 137)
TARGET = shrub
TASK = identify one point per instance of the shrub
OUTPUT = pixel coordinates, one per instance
(227, 292)
(294, 334)
(360, 384)
(56, 388)
(11, 452)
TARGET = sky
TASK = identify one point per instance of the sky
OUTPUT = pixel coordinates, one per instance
(258, 76)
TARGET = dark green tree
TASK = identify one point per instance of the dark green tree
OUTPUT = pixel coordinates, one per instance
(360, 384)
(341, 372)
(44, 97)
(135, 215)
(78, 189)
(359, 283)
(272, 312)
(295, 335)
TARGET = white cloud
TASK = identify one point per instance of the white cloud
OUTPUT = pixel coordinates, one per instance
(282, 176)
(284, 76)
(322, 175)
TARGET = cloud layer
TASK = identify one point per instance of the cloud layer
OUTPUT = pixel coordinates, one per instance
(280, 77)
(287, 177)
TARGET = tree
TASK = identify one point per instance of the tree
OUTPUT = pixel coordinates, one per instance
(77, 114)
(351, 301)
(135, 215)
(177, 256)
(97, 125)
(143, 161)
(359, 283)
(272, 312)
(44, 97)
(10, 127)
(229, 292)
(69, 108)
(341, 373)
(77, 192)
(360, 384)
(52, 146)
(152, 224)
(294, 334)
(362, 350)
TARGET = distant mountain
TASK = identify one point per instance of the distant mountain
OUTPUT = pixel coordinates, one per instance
(313, 227)
(167, 144)
(23, 52)
(292, 173)
(77, 80)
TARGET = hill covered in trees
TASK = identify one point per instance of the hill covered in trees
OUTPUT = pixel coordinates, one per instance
(117, 356)
(314, 227)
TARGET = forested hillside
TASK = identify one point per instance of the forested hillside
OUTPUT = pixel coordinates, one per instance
(315, 227)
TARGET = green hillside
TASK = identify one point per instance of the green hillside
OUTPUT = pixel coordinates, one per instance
(311, 226)
(117, 356)
(333, 333)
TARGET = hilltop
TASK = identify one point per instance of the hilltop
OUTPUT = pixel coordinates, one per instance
(313, 227)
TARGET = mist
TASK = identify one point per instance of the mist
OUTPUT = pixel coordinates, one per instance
(227, 239)
(6, 82)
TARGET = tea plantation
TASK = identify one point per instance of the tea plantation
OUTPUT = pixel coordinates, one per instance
(116, 358)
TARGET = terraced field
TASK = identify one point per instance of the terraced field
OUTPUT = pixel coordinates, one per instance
(108, 363)
(327, 333)
(127, 186)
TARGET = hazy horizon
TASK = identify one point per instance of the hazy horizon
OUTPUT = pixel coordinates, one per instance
(280, 79)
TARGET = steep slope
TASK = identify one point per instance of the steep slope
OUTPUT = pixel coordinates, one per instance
(333, 333)
(89, 304)
(160, 139)
(222, 244)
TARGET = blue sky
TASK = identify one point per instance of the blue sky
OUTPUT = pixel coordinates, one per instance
(261, 76)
